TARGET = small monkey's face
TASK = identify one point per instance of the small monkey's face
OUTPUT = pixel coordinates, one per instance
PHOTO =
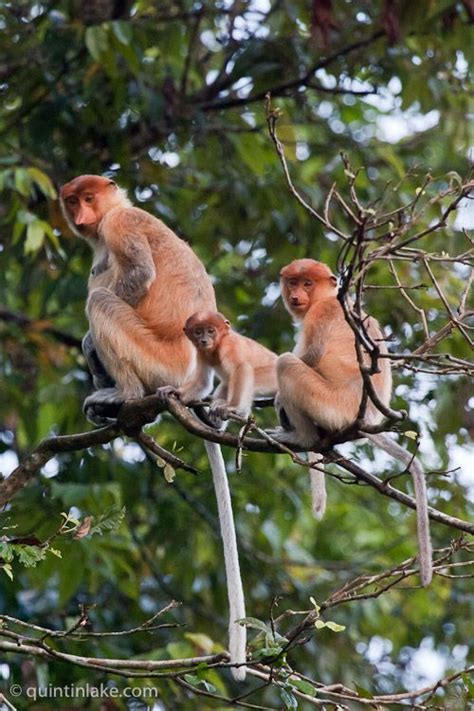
(204, 337)
(303, 282)
(85, 201)
(205, 330)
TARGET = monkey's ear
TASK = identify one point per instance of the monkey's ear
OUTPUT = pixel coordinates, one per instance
(184, 329)
(227, 322)
(112, 182)
(333, 279)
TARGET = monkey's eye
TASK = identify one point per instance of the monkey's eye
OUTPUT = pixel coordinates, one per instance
(211, 331)
(88, 199)
(308, 283)
(198, 332)
(292, 282)
(71, 200)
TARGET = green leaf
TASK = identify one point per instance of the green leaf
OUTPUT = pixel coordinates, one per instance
(304, 686)
(196, 681)
(335, 627)
(122, 30)
(363, 693)
(314, 604)
(34, 237)
(7, 569)
(18, 229)
(271, 651)
(201, 640)
(6, 551)
(109, 520)
(22, 181)
(469, 685)
(290, 701)
(43, 182)
(30, 556)
(96, 41)
(256, 624)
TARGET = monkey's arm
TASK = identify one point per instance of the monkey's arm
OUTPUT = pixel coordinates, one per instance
(316, 332)
(132, 260)
(240, 389)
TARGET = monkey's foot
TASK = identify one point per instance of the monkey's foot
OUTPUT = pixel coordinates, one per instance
(102, 406)
(283, 436)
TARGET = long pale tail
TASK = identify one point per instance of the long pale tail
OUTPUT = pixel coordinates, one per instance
(422, 521)
(318, 487)
(235, 592)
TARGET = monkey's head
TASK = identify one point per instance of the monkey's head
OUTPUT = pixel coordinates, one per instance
(86, 199)
(205, 329)
(303, 282)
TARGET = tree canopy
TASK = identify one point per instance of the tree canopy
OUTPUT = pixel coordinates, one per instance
(260, 132)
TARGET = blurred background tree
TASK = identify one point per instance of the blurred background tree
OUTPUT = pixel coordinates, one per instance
(168, 99)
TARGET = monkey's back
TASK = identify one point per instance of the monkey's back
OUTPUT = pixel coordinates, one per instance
(338, 361)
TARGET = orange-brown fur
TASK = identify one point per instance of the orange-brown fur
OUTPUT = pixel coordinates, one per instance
(144, 284)
(320, 384)
(245, 368)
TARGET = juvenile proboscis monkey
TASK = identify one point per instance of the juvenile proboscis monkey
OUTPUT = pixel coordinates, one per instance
(144, 283)
(320, 386)
(245, 368)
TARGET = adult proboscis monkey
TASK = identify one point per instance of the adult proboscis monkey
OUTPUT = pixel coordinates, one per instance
(321, 386)
(144, 283)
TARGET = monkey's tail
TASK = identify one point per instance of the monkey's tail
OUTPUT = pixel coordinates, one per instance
(422, 520)
(237, 633)
(318, 487)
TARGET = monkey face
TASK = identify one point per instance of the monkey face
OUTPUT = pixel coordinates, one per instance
(297, 293)
(205, 330)
(302, 282)
(85, 200)
(82, 214)
(204, 336)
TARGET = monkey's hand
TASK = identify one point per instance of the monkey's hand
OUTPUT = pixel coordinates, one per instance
(167, 391)
(218, 412)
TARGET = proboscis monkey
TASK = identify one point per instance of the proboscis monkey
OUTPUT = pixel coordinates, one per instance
(144, 283)
(245, 368)
(321, 386)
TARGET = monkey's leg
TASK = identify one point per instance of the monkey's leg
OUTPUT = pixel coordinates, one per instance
(311, 402)
(137, 358)
(316, 475)
(100, 377)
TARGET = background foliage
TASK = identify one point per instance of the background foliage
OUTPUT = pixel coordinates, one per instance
(168, 99)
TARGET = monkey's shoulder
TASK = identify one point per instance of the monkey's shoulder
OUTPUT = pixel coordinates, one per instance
(122, 221)
(325, 310)
(240, 349)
